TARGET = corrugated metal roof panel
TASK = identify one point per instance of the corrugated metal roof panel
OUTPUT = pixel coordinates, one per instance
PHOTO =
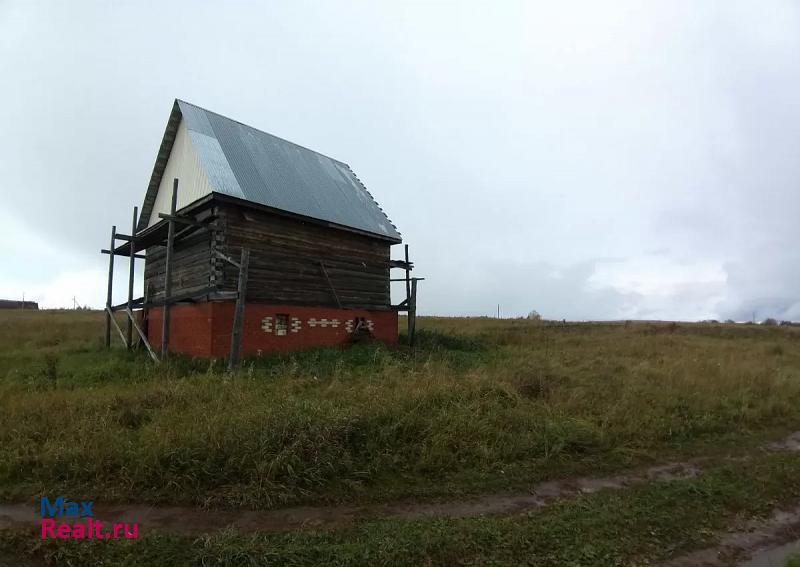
(243, 162)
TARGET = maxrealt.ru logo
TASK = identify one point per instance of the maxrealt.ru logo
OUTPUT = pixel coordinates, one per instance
(76, 521)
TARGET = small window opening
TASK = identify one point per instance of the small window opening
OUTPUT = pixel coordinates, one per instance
(281, 324)
(361, 327)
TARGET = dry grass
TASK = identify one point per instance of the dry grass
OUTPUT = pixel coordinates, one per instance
(481, 404)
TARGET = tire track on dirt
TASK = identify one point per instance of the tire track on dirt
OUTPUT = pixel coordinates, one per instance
(187, 520)
(750, 545)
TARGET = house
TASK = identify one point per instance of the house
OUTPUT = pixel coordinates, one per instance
(16, 304)
(252, 243)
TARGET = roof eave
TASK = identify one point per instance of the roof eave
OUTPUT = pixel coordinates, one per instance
(222, 197)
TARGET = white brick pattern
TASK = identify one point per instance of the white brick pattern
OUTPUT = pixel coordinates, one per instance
(350, 325)
(323, 322)
(296, 324)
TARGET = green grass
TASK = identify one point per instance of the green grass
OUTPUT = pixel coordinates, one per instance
(482, 404)
(629, 527)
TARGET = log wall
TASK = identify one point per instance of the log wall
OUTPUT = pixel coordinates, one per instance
(285, 256)
(285, 262)
(191, 266)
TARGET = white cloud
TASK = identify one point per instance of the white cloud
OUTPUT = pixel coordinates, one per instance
(51, 272)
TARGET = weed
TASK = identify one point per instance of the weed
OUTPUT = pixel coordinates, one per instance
(50, 369)
(370, 421)
(637, 526)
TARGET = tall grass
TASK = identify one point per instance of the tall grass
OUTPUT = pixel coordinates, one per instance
(479, 404)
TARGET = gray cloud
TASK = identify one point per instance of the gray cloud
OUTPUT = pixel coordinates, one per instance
(519, 147)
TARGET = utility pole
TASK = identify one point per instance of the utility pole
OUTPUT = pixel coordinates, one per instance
(23, 301)
(498, 310)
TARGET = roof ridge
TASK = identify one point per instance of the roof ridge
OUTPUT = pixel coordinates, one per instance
(180, 100)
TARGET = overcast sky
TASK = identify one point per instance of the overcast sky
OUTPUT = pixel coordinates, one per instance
(589, 160)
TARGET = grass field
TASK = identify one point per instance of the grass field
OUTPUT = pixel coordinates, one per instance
(481, 405)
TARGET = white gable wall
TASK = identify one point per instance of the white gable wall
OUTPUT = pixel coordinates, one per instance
(184, 164)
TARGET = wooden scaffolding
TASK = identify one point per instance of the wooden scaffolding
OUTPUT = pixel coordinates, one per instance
(181, 226)
(409, 304)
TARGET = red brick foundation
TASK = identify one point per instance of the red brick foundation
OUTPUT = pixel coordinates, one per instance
(204, 329)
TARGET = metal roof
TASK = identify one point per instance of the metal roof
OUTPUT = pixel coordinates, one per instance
(249, 164)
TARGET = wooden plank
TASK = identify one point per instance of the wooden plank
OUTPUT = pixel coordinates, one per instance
(145, 342)
(222, 295)
(168, 273)
(412, 313)
(298, 282)
(182, 252)
(238, 316)
(190, 264)
(131, 267)
(110, 317)
(227, 258)
(186, 231)
(256, 208)
(184, 276)
(287, 234)
(192, 295)
(408, 273)
(270, 257)
(295, 242)
(110, 290)
(333, 289)
(309, 272)
(137, 256)
(183, 220)
(121, 307)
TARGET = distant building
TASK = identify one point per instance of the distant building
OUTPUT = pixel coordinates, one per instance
(15, 304)
(319, 245)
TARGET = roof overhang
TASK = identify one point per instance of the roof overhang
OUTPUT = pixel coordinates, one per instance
(161, 163)
(222, 198)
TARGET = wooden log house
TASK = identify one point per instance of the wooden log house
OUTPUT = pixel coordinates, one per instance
(252, 244)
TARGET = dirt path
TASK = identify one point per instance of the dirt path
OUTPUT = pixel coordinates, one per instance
(195, 521)
(765, 543)
(192, 521)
